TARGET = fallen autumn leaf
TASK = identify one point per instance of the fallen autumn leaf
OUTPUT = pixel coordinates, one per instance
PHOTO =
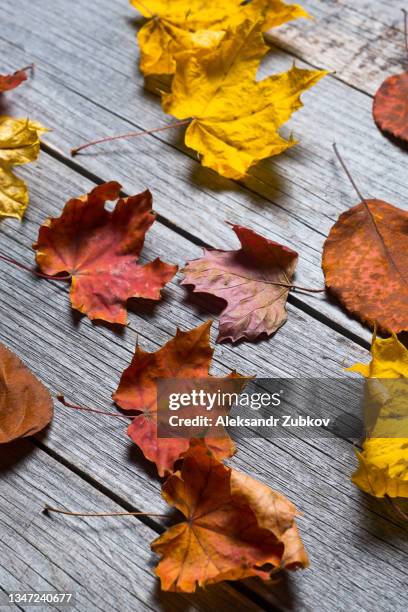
(100, 250)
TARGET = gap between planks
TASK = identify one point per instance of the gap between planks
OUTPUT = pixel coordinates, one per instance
(330, 311)
(36, 213)
(293, 297)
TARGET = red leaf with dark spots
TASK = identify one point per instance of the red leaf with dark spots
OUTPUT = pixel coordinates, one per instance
(390, 108)
(365, 262)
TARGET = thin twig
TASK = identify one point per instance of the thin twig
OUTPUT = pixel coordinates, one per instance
(63, 401)
(68, 513)
(76, 150)
(39, 274)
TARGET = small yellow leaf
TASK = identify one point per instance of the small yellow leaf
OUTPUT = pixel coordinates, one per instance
(19, 140)
(19, 144)
(235, 118)
(389, 360)
(13, 194)
(383, 463)
(185, 25)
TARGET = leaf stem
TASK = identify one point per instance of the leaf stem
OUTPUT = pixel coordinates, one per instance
(396, 507)
(63, 401)
(348, 174)
(299, 288)
(76, 150)
(68, 513)
(30, 67)
(406, 29)
(28, 269)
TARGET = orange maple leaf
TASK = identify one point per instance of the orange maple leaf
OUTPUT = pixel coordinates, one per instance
(187, 355)
(235, 526)
(100, 250)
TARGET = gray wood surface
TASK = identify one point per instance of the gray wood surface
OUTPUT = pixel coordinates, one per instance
(361, 40)
(88, 77)
(85, 362)
(106, 562)
(87, 84)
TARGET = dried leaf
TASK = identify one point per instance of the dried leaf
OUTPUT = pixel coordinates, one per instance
(19, 144)
(25, 404)
(248, 280)
(11, 81)
(187, 355)
(383, 463)
(235, 527)
(100, 249)
(365, 262)
(390, 109)
(235, 118)
(185, 25)
(19, 140)
(14, 196)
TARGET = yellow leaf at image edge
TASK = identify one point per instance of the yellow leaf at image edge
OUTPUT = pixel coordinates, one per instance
(235, 118)
(13, 194)
(183, 25)
(383, 463)
(19, 144)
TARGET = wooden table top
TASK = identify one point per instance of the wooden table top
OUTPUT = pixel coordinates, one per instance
(87, 84)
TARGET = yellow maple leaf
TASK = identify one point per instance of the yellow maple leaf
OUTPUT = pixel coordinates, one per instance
(19, 144)
(235, 119)
(383, 463)
(185, 25)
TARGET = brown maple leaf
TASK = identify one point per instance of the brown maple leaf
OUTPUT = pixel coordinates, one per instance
(100, 250)
(235, 527)
(26, 406)
(254, 281)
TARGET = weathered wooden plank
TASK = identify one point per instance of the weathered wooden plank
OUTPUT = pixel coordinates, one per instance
(341, 528)
(294, 198)
(105, 562)
(361, 40)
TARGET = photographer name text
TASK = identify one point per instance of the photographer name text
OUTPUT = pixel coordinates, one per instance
(238, 421)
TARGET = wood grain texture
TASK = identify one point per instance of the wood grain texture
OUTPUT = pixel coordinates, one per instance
(351, 538)
(362, 41)
(88, 85)
(105, 562)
